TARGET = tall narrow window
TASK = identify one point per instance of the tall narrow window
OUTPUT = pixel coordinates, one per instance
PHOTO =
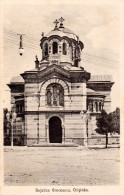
(20, 108)
(49, 97)
(100, 106)
(17, 108)
(90, 106)
(55, 96)
(55, 47)
(46, 49)
(96, 104)
(61, 98)
(64, 49)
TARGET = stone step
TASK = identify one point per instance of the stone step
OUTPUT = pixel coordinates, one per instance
(54, 145)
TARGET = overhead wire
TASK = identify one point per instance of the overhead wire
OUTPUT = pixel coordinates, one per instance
(94, 63)
(99, 57)
(93, 58)
(26, 45)
(31, 47)
(107, 63)
(9, 38)
(25, 40)
(16, 34)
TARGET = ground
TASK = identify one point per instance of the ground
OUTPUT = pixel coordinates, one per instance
(61, 166)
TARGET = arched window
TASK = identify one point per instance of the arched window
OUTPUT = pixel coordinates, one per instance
(90, 106)
(96, 105)
(55, 95)
(55, 47)
(20, 108)
(17, 107)
(46, 49)
(64, 49)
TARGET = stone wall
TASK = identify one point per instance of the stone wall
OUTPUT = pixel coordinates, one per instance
(101, 140)
(78, 96)
(31, 97)
(31, 127)
(75, 128)
(42, 128)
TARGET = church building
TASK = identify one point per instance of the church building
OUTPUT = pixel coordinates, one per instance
(52, 99)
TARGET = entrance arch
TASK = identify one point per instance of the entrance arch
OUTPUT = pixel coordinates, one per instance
(55, 130)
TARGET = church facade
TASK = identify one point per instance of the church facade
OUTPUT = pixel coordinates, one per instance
(51, 98)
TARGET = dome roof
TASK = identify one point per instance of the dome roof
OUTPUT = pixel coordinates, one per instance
(17, 79)
(62, 32)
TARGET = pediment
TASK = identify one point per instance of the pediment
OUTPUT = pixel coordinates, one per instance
(53, 71)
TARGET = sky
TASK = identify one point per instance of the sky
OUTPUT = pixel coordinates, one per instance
(97, 26)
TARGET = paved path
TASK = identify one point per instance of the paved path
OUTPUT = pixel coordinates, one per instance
(61, 166)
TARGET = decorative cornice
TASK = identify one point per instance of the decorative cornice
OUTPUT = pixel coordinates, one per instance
(53, 69)
(100, 86)
(58, 71)
(81, 76)
(16, 87)
(55, 111)
(70, 40)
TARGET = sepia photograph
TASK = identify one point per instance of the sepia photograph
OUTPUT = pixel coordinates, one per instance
(61, 101)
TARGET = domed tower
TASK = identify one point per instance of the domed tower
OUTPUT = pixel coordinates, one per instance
(61, 46)
(55, 91)
(53, 98)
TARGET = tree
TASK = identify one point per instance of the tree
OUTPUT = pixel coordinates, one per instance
(115, 122)
(108, 123)
(103, 124)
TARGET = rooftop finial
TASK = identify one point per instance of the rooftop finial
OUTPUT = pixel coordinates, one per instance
(56, 23)
(42, 34)
(36, 57)
(36, 62)
(61, 22)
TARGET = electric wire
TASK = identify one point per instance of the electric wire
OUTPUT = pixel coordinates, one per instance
(86, 60)
(26, 45)
(23, 42)
(12, 37)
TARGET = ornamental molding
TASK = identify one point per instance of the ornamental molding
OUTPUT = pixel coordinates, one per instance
(58, 71)
(71, 41)
(105, 86)
(43, 86)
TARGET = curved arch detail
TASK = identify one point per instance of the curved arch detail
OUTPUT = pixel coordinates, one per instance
(44, 85)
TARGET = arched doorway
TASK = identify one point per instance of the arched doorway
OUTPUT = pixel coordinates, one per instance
(55, 130)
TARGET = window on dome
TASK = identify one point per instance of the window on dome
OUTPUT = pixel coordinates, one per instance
(55, 47)
(100, 106)
(55, 95)
(96, 106)
(46, 49)
(64, 49)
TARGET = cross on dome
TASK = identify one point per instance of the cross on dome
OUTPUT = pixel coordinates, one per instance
(56, 23)
(61, 20)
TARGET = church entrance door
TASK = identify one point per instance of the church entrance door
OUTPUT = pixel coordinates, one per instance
(55, 130)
